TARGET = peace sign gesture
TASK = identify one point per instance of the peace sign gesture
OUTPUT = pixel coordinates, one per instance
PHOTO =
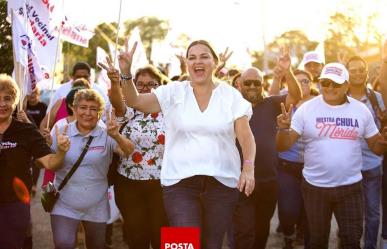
(62, 140)
(223, 57)
(284, 119)
(284, 60)
(112, 126)
(342, 57)
(125, 58)
(112, 72)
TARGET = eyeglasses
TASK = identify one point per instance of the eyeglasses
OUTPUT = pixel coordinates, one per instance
(304, 81)
(149, 85)
(85, 108)
(248, 83)
(327, 83)
(357, 71)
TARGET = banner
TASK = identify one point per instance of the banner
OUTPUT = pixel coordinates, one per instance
(24, 50)
(43, 17)
(76, 34)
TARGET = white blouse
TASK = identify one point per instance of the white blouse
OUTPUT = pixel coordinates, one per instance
(201, 143)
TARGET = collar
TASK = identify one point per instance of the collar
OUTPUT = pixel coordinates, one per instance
(73, 130)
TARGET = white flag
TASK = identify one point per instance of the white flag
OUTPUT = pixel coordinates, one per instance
(76, 34)
(102, 79)
(43, 18)
(25, 47)
(25, 54)
(139, 57)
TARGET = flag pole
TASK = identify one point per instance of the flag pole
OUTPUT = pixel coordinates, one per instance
(53, 76)
(118, 30)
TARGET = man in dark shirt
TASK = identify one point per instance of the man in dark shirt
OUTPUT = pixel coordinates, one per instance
(35, 108)
(253, 214)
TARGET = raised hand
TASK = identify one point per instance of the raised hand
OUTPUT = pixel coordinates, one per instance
(62, 140)
(112, 73)
(47, 136)
(342, 57)
(112, 127)
(125, 58)
(183, 64)
(284, 119)
(284, 60)
(223, 58)
(279, 72)
(22, 117)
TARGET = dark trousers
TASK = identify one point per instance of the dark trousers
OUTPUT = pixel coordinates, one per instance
(14, 222)
(204, 202)
(290, 202)
(345, 202)
(251, 220)
(141, 206)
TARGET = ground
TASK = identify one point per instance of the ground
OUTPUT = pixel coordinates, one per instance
(42, 235)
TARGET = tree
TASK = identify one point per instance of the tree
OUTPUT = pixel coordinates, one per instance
(6, 62)
(296, 40)
(151, 29)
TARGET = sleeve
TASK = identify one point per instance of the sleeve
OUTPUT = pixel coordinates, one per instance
(297, 123)
(165, 95)
(39, 147)
(379, 98)
(370, 128)
(240, 107)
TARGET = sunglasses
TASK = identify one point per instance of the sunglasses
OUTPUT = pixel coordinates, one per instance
(256, 83)
(327, 83)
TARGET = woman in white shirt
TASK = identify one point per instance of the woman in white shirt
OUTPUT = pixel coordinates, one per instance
(201, 169)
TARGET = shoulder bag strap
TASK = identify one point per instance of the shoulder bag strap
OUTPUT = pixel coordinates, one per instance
(76, 165)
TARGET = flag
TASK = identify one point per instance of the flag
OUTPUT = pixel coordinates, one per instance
(24, 50)
(43, 18)
(139, 57)
(76, 34)
(102, 79)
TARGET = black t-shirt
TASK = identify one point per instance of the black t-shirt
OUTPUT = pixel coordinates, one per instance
(20, 143)
(263, 124)
(37, 112)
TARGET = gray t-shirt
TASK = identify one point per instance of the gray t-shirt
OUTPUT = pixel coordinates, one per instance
(84, 197)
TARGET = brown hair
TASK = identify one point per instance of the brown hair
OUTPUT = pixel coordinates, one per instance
(307, 74)
(205, 43)
(153, 72)
(8, 85)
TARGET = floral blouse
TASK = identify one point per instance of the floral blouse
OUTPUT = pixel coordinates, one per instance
(146, 131)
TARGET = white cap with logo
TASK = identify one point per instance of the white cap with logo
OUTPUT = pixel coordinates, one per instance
(313, 56)
(335, 72)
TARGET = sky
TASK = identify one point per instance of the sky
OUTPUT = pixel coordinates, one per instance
(238, 24)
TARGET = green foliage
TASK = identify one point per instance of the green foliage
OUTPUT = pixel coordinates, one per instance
(6, 62)
(151, 29)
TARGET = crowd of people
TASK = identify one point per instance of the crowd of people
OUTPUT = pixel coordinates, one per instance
(211, 148)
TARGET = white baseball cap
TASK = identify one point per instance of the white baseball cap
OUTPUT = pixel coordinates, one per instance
(313, 56)
(335, 72)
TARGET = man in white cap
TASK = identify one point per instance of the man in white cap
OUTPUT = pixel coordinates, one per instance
(313, 62)
(332, 126)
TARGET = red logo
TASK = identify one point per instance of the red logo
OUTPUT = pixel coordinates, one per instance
(180, 238)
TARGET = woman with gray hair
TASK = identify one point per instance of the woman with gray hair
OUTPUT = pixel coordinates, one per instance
(84, 198)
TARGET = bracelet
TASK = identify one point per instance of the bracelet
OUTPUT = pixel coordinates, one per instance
(248, 162)
(283, 129)
(126, 77)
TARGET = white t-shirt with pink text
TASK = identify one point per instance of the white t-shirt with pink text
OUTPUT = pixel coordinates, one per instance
(332, 136)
